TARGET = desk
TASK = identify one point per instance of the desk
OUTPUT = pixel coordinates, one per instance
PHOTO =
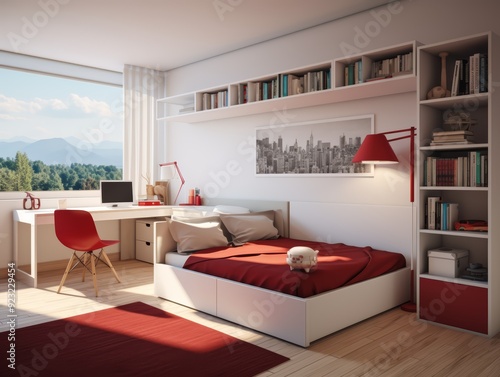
(34, 218)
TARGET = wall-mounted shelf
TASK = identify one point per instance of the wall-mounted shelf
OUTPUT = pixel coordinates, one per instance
(377, 65)
(246, 97)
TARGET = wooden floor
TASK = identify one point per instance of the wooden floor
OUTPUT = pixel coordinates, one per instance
(390, 344)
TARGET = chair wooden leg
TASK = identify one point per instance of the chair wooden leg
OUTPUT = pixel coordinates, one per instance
(85, 257)
(68, 268)
(94, 277)
(105, 256)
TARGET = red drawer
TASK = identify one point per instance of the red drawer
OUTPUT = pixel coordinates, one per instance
(455, 305)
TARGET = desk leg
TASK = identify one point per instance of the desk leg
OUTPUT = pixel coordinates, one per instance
(127, 239)
(27, 277)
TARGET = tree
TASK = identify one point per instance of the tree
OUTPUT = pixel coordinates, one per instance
(8, 180)
(24, 172)
(20, 174)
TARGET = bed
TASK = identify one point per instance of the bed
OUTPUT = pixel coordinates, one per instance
(295, 316)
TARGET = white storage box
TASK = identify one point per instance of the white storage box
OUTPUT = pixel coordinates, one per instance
(448, 262)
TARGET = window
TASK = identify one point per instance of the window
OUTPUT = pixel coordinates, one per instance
(58, 133)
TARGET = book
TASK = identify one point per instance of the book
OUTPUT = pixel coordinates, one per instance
(446, 215)
(431, 211)
(455, 132)
(452, 215)
(483, 73)
(456, 78)
(452, 137)
(149, 202)
(451, 142)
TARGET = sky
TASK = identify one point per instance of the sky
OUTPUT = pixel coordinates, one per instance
(38, 107)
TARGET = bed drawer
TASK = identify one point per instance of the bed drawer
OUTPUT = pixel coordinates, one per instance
(144, 250)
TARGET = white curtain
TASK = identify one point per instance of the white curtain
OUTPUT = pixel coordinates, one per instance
(142, 87)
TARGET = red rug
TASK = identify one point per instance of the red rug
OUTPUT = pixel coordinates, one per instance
(130, 340)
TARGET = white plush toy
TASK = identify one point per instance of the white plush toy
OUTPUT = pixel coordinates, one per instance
(302, 257)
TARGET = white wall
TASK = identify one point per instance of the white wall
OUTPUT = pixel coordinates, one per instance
(204, 150)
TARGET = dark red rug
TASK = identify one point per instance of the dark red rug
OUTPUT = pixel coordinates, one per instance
(130, 340)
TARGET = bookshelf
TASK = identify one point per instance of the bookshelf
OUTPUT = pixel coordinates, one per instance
(466, 301)
(313, 85)
(382, 64)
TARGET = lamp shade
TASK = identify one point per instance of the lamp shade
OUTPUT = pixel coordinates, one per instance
(375, 149)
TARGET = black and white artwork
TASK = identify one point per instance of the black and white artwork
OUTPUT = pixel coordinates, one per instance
(316, 148)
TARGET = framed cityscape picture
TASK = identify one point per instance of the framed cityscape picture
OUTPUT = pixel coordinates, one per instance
(314, 148)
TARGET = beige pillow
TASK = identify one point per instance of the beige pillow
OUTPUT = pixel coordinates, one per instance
(250, 227)
(197, 234)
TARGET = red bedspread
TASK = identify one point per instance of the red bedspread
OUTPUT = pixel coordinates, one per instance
(263, 264)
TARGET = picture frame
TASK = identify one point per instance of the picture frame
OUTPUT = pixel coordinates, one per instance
(320, 148)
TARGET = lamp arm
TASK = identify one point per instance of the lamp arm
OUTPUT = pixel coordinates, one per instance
(180, 176)
(401, 130)
(411, 136)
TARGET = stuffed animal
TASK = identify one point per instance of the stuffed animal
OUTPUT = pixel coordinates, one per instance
(302, 257)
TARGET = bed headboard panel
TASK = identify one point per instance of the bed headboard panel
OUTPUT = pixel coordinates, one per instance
(282, 209)
(383, 227)
(165, 242)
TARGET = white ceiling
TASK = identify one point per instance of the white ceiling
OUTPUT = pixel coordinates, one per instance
(160, 34)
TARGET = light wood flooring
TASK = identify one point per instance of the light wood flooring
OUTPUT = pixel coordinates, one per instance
(393, 343)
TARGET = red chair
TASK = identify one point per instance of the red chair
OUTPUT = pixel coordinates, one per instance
(76, 230)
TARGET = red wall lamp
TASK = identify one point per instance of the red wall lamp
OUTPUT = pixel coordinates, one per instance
(375, 149)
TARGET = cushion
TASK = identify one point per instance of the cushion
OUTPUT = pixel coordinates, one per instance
(250, 226)
(197, 234)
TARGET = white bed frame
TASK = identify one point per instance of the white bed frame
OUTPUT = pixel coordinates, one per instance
(297, 320)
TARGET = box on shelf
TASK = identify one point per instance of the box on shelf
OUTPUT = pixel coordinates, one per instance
(448, 262)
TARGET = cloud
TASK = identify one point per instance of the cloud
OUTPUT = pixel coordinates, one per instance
(91, 106)
(8, 117)
(14, 106)
(51, 103)
(74, 106)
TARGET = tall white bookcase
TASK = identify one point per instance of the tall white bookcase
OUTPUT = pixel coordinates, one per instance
(460, 302)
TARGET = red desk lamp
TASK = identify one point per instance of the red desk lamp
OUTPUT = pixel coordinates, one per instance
(167, 174)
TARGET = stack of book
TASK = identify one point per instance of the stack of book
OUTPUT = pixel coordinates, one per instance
(399, 65)
(214, 100)
(470, 75)
(440, 215)
(465, 168)
(452, 137)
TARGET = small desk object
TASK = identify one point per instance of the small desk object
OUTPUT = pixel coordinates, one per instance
(34, 218)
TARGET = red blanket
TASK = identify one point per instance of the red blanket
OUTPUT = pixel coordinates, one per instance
(263, 264)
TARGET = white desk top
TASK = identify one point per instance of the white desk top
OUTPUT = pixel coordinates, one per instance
(46, 216)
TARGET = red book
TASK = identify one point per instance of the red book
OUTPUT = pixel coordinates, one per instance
(149, 202)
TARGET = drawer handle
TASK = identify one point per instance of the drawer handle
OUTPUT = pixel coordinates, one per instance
(148, 225)
(148, 243)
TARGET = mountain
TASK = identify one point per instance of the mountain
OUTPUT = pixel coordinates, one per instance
(59, 151)
(10, 148)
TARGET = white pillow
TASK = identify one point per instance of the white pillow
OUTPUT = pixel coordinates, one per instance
(230, 209)
(196, 234)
